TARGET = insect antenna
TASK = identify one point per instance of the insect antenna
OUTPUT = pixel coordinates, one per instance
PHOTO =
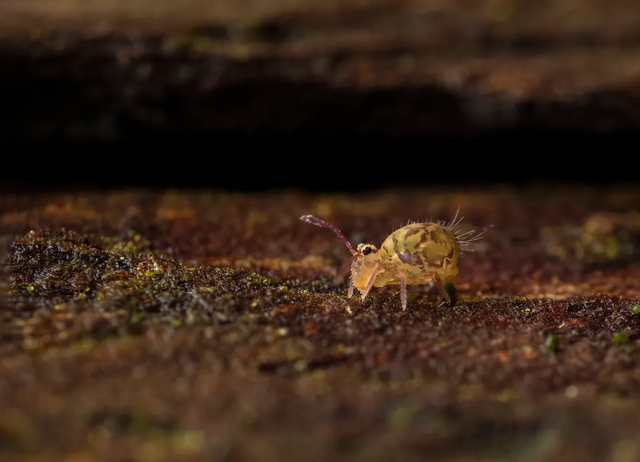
(323, 224)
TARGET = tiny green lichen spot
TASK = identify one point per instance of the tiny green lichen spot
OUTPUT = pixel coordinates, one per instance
(418, 253)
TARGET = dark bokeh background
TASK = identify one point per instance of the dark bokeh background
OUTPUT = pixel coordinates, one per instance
(322, 163)
(345, 97)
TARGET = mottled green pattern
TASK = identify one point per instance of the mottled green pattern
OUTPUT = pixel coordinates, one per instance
(418, 250)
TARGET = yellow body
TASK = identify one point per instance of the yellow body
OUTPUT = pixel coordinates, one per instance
(419, 251)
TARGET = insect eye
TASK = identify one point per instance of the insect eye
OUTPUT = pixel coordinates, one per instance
(366, 251)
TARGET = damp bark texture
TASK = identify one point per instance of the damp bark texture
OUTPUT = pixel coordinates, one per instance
(206, 326)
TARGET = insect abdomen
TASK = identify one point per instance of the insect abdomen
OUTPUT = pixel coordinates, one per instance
(423, 247)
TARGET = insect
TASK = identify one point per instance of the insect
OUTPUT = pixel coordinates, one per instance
(419, 253)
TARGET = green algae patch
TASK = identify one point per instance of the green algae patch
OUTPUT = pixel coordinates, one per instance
(84, 288)
(620, 338)
(602, 237)
(60, 264)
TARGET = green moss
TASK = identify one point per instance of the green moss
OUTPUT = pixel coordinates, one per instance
(635, 309)
(620, 337)
(603, 237)
(402, 417)
(136, 318)
(66, 271)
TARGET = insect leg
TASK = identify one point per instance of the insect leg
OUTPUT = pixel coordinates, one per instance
(350, 291)
(370, 283)
(441, 289)
(451, 290)
(403, 290)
